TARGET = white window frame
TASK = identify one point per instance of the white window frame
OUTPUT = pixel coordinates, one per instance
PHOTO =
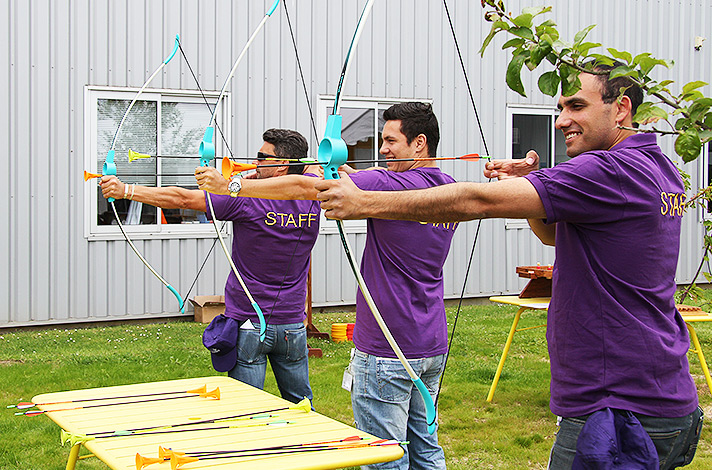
(539, 110)
(324, 102)
(92, 230)
(704, 179)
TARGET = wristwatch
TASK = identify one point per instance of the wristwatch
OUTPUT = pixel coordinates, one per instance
(234, 186)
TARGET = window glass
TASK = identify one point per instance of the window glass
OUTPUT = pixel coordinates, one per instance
(532, 132)
(167, 158)
(138, 132)
(362, 135)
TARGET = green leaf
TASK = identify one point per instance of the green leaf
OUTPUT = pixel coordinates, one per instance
(524, 20)
(692, 95)
(602, 59)
(648, 113)
(537, 55)
(699, 108)
(522, 32)
(497, 26)
(581, 35)
(708, 121)
(514, 69)
(534, 11)
(688, 145)
(621, 55)
(706, 135)
(584, 47)
(514, 42)
(692, 86)
(549, 83)
(622, 71)
(570, 82)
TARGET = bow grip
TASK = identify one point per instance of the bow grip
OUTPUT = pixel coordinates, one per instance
(207, 148)
(332, 152)
(109, 168)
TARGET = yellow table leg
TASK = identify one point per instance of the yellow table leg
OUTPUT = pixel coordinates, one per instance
(490, 395)
(73, 456)
(700, 355)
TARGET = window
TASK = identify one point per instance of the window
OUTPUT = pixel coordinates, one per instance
(157, 146)
(361, 126)
(706, 177)
(533, 128)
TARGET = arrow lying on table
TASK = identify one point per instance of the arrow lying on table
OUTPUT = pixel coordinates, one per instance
(214, 394)
(304, 405)
(180, 458)
(24, 404)
(74, 438)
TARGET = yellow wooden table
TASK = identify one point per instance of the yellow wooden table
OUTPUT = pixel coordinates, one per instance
(542, 303)
(235, 398)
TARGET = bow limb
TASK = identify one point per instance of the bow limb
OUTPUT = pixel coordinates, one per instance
(207, 154)
(333, 153)
(109, 168)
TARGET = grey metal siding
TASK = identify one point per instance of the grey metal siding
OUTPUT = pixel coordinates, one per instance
(53, 49)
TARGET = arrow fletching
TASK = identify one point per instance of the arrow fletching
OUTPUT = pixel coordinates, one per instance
(135, 155)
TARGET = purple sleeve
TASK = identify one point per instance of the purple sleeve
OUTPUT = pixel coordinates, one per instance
(226, 207)
(585, 189)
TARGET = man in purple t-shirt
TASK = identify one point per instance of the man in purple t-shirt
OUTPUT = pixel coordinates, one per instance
(403, 268)
(271, 246)
(614, 214)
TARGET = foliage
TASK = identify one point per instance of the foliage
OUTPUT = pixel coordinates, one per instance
(688, 114)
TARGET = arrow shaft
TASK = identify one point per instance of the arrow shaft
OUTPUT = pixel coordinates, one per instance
(33, 413)
(205, 421)
(81, 400)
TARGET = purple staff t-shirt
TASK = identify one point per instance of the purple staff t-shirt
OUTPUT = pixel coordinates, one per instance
(402, 265)
(615, 338)
(271, 244)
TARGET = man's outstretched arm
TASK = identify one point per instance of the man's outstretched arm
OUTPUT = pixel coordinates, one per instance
(511, 198)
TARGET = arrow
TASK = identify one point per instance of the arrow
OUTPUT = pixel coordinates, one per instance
(74, 438)
(181, 458)
(133, 155)
(24, 405)
(214, 394)
(304, 405)
(230, 168)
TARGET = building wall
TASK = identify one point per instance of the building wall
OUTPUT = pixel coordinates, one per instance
(53, 49)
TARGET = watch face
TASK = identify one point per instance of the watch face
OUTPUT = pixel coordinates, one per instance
(234, 186)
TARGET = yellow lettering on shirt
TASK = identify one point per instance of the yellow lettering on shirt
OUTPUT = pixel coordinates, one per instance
(673, 204)
(283, 219)
(443, 225)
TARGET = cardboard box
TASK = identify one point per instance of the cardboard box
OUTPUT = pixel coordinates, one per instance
(207, 307)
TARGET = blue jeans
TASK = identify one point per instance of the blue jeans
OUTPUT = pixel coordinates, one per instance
(286, 347)
(675, 439)
(387, 404)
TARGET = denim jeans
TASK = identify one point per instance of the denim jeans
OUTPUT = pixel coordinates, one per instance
(675, 439)
(286, 348)
(387, 404)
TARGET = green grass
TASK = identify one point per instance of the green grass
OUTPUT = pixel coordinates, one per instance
(516, 431)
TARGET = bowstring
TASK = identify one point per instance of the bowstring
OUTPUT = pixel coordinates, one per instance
(479, 223)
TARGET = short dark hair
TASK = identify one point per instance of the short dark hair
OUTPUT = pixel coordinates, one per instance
(611, 87)
(416, 118)
(288, 144)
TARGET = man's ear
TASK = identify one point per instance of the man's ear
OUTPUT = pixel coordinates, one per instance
(421, 142)
(624, 111)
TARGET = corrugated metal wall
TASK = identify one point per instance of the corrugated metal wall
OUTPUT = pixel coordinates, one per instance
(53, 49)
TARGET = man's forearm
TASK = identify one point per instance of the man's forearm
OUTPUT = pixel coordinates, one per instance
(287, 187)
(514, 198)
(169, 197)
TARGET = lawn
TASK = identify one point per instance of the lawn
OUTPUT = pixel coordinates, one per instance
(514, 432)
